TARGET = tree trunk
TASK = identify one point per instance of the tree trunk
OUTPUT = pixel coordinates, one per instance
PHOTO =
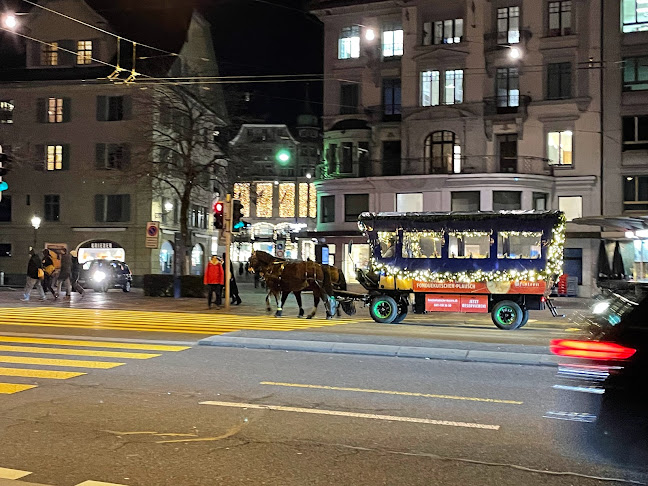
(185, 252)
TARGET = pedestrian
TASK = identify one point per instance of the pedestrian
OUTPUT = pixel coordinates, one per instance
(234, 293)
(240, 270)
(49, 269)
(214, 279)
(65, 274)
(35, 274)
(75, 273)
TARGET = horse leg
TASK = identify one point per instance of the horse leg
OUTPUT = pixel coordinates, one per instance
(284, 296)
(268, 308)
(316, 299)
(299, 303)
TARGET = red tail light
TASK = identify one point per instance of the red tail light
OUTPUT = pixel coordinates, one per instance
(590, 349)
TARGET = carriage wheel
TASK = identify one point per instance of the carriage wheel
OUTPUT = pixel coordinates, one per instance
(383, 309)
(403, 307)
(507, 315)
(525, 317)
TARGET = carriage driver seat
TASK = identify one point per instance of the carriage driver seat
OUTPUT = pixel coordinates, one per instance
(368, 279)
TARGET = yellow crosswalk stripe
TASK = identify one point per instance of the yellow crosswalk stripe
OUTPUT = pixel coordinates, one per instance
(92, 344)
(30, 373)
(6, 473)
(9, 388)
(72, 363)
(76, 352)
(98, 483)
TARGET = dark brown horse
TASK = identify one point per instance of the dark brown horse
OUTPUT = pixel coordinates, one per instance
(283, 277)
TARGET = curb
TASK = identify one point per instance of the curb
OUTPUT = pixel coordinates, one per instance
(474, 356)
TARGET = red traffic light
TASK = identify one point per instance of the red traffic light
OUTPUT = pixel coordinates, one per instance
(218, 207)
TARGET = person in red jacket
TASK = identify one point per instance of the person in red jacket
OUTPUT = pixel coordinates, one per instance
(214, 279)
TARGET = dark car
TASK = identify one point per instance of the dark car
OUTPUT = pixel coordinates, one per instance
(602, 382)
(102, 275)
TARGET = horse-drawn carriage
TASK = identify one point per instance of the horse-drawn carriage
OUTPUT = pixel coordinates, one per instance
(504, 263)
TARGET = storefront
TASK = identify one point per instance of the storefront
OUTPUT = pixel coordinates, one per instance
(100, 250)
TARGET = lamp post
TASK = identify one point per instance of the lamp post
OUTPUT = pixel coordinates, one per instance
(35, 221)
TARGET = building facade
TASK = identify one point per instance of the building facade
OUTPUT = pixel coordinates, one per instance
(69, 126)
(461, 106)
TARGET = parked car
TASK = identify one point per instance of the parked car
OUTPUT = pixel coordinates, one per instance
(601, 390)
(102, 275)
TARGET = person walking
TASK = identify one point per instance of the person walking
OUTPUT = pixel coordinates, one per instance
(34, 276)
(65, 274)
(234, 293)
(49, 269)
(75, 274)
(214, 279)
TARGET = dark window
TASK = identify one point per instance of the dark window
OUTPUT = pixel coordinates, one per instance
(349, 93)
(354, 205)
(112, 208)
(508, 25)
(327, 209)
(112, 156)
(635, 132)
(445, 32)
(113, 108)
(465, 201)
(635, 73)
(5, 250)
(392, 98)
(507, 145)
(442, 153)
(540, 201)
(560, 18)
(391, 158)
(52, 207)
(507, 87)
(364, 169)
(346, 161)
(331, 158)
(5, 209)
(507, 200)
(559, 81)
(635, 193)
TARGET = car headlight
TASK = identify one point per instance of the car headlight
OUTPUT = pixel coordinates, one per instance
(601, 307)
(99, 276)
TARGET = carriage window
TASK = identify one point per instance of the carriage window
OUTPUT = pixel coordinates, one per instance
(421, 244)
(469, 244)
(387, 241)
(519, 244)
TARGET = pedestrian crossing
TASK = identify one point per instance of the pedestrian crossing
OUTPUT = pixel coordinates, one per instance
(18, 474)
(38, 364)
(165, 322)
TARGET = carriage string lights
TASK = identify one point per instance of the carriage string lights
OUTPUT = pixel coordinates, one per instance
(552, 269)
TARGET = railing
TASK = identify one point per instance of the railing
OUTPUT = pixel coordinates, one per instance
(498, 40)
(506, 105)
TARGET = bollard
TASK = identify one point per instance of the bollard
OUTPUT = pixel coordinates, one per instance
(1, 278)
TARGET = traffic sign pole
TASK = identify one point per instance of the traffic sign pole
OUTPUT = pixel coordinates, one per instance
(228, 243)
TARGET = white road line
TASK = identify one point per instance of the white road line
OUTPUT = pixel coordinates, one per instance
(6, 473)
(340, 413)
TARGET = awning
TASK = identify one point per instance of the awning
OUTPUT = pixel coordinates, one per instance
(619, 223)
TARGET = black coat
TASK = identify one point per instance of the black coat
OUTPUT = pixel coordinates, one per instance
(33, 266)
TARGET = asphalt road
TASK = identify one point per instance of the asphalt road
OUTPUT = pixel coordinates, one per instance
(201, 416)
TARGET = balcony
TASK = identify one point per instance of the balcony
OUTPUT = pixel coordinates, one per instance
(495, 41)
(505, 107)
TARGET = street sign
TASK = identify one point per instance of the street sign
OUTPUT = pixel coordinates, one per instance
(152, 234)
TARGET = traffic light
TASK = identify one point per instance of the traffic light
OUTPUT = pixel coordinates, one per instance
(237, 214)
(3, 171)
(219, 206)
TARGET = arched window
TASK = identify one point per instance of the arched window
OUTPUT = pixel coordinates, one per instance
(442, 153)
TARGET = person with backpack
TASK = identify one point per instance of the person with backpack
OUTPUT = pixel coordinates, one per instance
(49, 269)
(35, 274)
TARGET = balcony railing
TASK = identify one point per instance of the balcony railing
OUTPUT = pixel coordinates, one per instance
(501, 40)
(443, 165)
(512, 104)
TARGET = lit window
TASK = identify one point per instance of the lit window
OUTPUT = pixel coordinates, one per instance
(635, 193)
(242, 193)
(430, 88)
(560, 18)
(287, 200)
(635, 73)
(84, 52)
(559, 148)
(421, 244)
(507, 86)
(445, 31)
(469, 244)
(508, 25)
(312, 207)
(635, 15)
(264, 199)
(54, 157)
(442, 153)
(519, 244)
(6, 111)
(431, 94)
(49, 54)
(409, 202)
(349, 43)
(572, 206)
(392, 41)
(453, 86)
(55, 110)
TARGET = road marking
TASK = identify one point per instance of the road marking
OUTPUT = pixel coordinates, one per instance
(74, 363)
(29, 373)
(92, 344)
(340, 413)
(98, 483)
(10, 388)
(76, 352)
(6, 473)
(390, 392)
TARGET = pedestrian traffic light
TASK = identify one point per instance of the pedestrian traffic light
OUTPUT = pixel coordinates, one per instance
(237, 214)
(219, 206)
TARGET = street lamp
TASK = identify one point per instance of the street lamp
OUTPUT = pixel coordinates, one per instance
(168, 206)
(515, 53)
(35, 221)
(9, 21)
(308, 176)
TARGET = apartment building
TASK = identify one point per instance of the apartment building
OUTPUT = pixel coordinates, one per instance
(470, 105)
(69, 121)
